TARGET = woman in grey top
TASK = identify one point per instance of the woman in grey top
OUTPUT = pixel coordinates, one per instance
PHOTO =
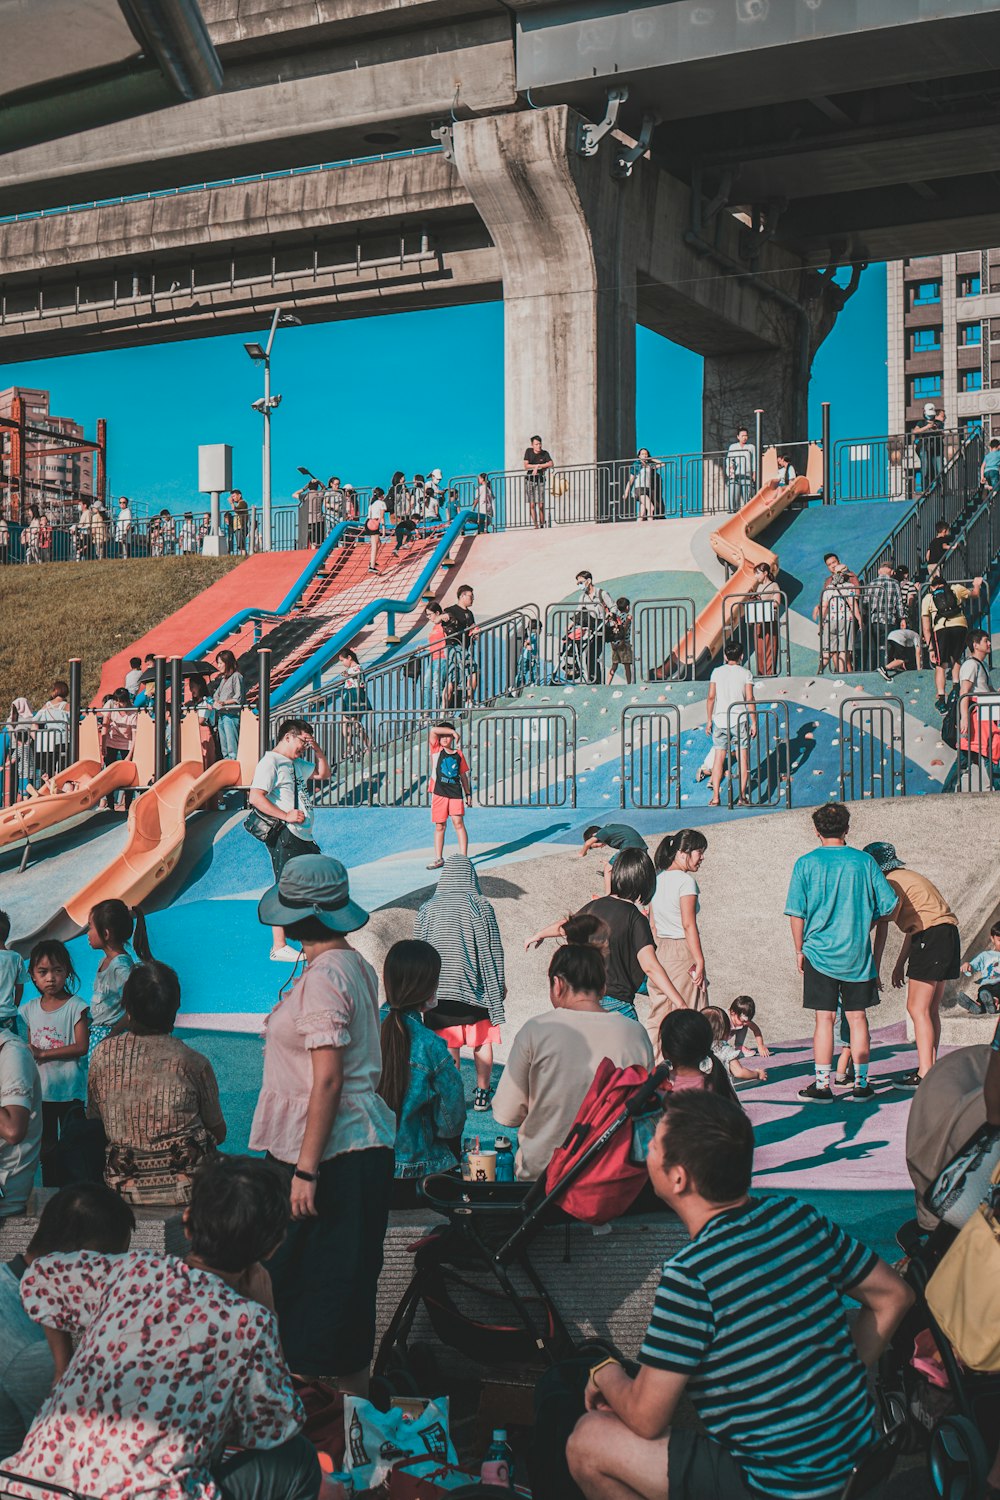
(228, 695)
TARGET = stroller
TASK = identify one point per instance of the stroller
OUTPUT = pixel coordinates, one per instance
(489, 1231)
(576, 650)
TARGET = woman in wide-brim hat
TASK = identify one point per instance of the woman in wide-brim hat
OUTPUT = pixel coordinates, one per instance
(319, 1115)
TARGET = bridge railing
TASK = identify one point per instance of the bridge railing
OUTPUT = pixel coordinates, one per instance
(901, 466)
(955, 489)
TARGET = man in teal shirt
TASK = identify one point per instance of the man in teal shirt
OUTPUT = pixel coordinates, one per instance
(835, 895)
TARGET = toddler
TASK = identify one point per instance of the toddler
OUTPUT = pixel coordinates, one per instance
(741, 1018)
(723, 1049)
(11, 978)
(985, 967)
(58, 1023)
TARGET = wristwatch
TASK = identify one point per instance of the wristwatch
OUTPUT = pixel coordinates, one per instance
(305, 1176)
(600, 1366)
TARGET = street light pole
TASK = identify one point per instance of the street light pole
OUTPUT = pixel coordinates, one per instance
(266, 452)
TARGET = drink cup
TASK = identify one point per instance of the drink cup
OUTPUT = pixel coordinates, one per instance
(481, 1166)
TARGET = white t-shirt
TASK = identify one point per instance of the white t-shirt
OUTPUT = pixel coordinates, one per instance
(908, 638)
(975, 672)
(730, 687)
(551, 1066)
(66, 1079)
(671, 885)
(132, 683)
(19, 1084)
(12, 973)
(277, 774)
(741, 460)
(376, 513)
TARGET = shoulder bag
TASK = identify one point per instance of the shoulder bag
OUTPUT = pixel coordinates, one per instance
(268, 830)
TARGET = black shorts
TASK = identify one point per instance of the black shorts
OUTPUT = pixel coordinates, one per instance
(949, 643)
(906, 654)
(698, 1468)
(935, 954)
(288, 846)
(823, 992)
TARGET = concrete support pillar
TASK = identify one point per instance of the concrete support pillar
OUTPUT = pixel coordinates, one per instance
(563, 227)
(775, 379)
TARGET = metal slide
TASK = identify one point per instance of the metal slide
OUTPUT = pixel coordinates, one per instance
(157, 824)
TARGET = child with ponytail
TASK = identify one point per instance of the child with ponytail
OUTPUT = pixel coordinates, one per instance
(686, 1042)
(419, 1081)
(112, 924)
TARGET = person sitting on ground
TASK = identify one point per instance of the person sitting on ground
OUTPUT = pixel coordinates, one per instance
(686, 1044)
(461, 924)
(121, 1419)
(632, 964)
(780, 1383)
(555, 1056)
(931, 953)
(614, 836)
(741, 1015)
(985, 967)
(419, 1081)
(723, 1048)
(731, 686)
(87, 1216)
(157, 1099)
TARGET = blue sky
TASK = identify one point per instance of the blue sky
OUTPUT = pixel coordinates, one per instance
(412, 391)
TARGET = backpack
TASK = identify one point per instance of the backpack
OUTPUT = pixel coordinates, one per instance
(618, 625)
(612, 1182)
(949, 720)
(946, 603)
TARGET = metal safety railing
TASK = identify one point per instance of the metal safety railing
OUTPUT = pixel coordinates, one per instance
(664, 640)
(576, 640)
(650, 773)
(896, 467)
(758, 756)
(955, 488)
(381, 757)
(868, 628)
(760, 624)
(500, 659)
(872, 748)
(977, 758)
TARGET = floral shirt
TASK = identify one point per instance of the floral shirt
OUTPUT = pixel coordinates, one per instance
(172, 1366)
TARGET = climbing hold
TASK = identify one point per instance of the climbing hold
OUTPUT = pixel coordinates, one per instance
(619, 694)
(937, 762)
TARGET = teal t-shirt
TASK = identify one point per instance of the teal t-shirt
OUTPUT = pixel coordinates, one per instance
(12, 973)
(839, 892)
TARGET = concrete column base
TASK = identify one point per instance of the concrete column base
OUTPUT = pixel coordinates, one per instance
(215, 546)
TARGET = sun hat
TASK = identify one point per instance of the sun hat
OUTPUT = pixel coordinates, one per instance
(885, 857)
(313, 885)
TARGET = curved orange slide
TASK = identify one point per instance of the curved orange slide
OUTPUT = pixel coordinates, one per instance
(73, 794)
(156, 830)
(733, 543)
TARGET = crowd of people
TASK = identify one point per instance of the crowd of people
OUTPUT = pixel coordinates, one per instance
(362, 1096)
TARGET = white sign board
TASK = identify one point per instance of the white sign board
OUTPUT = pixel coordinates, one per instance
(215, 468)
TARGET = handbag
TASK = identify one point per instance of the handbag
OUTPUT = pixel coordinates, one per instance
(961, 1185)
(432, 1486)
(268, 830)
(964, 1293)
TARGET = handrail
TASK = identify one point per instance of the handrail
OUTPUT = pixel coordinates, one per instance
(936, 494)
(328, 651)
(298, 588)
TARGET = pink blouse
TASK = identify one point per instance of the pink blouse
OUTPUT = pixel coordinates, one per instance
(334, 1004)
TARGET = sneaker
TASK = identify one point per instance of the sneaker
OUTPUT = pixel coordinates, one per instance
(909, 1080)
(884, 673)
(861, 1091)
(436, 864)
(285, 955)
(821, 1096)
(481, 1099)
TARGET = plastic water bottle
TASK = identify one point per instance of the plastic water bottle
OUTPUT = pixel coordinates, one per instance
(505, 1159)
(498, 1465)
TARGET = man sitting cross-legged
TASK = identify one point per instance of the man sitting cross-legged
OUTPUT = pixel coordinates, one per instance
(748, 1321)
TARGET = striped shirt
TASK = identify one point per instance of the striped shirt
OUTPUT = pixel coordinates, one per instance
(751, 1310)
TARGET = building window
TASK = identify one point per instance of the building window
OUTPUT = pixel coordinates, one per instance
(971, 380)
(970, 424)
(926, 292)
(969, 286)
(926, 387)
(970, 333)
(926, 340)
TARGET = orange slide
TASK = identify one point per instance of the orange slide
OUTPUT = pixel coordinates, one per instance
(156, 830)
(733, 543)
(73, 795)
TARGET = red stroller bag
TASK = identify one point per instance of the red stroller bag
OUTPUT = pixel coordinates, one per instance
(612, 1182)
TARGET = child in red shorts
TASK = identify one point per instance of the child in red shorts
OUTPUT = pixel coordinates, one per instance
(450, 789)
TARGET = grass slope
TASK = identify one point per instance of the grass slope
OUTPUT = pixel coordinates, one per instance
(53, 611)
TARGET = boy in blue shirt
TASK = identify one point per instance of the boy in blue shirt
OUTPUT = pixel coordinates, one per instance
(12, 975)
(834, 897)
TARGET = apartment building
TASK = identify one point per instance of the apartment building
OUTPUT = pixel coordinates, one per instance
(51, 474)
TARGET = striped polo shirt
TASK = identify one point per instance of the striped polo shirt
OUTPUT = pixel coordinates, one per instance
(751, 1310)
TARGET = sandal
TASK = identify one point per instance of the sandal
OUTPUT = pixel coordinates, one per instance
(437, 864)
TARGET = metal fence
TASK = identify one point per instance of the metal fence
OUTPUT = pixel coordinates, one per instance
(858, 632)
(977, 760)
(761, 626)
(575, 644)
(899, 467)
(651, 756)
(663, 635)
(872, 748)
(381, 757)
(758, 757)
(956, 488)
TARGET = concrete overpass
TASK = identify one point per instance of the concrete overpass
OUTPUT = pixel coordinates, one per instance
(790, 136)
